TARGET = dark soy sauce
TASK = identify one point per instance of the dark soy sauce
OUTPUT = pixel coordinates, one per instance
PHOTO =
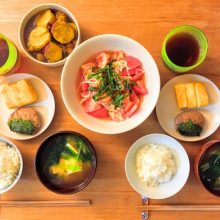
(3, 52)
(183, 49)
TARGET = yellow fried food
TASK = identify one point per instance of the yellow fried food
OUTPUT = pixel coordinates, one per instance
(63, 32)
(201, 94)
(39, 38)
(180, 92)
(18, 94)
(53, 53)
(191, 95)
(46, 17)
(61, 16)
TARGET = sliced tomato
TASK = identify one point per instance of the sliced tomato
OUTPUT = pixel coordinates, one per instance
(102, 59)
(124, 72)
(138, 75)
(91, 105)
(100, 113)
(84, 93)
(133, 62)
(85, 86)
(140, 90)
(135, 98)
(128, 106)
(132, 110)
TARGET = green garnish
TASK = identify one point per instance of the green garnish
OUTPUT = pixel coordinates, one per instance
(111, 85)
(189, 128)
(21, 126)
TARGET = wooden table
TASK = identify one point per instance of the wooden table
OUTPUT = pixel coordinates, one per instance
(112, 196)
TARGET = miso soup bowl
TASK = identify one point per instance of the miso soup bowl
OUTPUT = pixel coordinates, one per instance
(29, 15)
(46, 181)
(70, 77)
(198, 158)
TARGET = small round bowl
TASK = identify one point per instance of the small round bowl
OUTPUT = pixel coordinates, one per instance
(167, 189)
(45, 180)
(32, 12)
(70, 77)
(6, 189)
(199, 156)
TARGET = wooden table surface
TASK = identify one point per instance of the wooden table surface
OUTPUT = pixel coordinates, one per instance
(113, 198)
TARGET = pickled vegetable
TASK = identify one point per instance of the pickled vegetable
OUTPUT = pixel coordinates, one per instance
(63, 32)
(39, 38)
(53, 53)
(45, 18)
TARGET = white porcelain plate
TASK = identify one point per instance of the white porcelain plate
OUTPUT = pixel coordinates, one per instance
(167, 189)
(167, 109)
(45, 105)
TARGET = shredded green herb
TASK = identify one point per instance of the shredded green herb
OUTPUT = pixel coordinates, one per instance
(111, 85)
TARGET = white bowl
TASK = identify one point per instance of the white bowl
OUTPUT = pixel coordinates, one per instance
(167, 189)
(20, 170)
(81, 55)
(32, 12)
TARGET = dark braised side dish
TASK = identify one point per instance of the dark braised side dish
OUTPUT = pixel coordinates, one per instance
(51, 36)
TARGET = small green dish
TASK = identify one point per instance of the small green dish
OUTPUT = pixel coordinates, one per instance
(199, 37)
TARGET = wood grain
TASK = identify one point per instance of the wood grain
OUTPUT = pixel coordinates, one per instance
(147, 22)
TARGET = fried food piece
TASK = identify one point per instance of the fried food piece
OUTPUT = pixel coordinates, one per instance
(63, 32)
(53, 53)
(180, 92)
(19, 93)
(190, 123)
(39, 38)
(40, 57)
(61, 16)
(45, 18)
(201, 94)
(24, 121)
(191, 95)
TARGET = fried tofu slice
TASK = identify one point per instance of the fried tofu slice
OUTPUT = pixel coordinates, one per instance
(201, 94)
(191, 95)
(39, 38)
(18, 94)
(45, 18)
(180, 93)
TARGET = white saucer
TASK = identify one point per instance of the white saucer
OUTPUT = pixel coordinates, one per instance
(45, 105)
(167, 109)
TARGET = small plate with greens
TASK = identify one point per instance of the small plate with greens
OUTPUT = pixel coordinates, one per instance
(66, 162)
(192, 123)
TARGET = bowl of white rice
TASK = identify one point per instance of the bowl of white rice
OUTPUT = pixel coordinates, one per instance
(11, 165)
(157, 166)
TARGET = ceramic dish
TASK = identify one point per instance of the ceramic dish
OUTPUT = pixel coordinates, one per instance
(32, 12)
(69, 87)
(206, 166)
(167, 109)
(20, 168)
(65, 179)
(45, 106)
(167, 189)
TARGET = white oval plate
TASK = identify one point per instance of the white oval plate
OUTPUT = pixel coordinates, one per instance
(45, 105)
(167, 189)
(167, 109)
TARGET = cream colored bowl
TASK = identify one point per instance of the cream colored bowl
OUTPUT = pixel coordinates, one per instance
(32, 12)
(70, 77)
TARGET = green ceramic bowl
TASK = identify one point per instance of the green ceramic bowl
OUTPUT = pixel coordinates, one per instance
(198, 35)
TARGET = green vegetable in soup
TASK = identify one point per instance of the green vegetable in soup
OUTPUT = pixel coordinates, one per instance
(210, 171)
(67, 155)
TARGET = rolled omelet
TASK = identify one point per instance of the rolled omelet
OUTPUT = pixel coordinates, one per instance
(18, 94)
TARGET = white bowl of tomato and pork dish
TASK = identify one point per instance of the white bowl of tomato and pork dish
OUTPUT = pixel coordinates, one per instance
(110, 84)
